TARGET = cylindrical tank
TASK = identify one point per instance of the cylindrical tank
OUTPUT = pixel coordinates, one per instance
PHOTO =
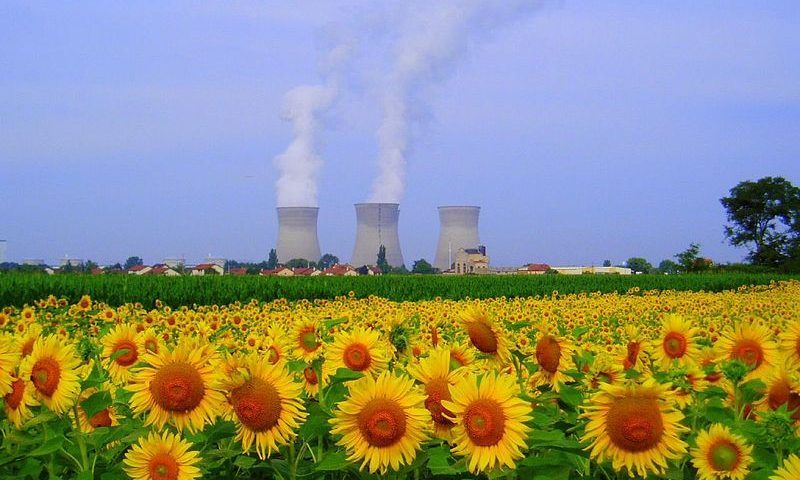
(377, 225)
(297, 234)
(458, 228)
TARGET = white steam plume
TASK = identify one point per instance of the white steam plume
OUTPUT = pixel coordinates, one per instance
(431, 40)
(299, 166)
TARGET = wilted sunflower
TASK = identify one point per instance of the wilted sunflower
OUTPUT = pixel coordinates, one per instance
(51, 367)
(358, 350)
(751, 344)
(790, 470)
(485, 334)
(19, 400)
(178, 386)
(383, 422)
(122, 347)
(437, 376)
(162, 457)
(554, 357)
(635, 426)
(490, 421)
(721, 454)
(676, 344)
(265, 404)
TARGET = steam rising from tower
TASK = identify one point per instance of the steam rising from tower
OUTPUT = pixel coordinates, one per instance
(458, 229)
(430, 42)
(297, 234)
(376, 226)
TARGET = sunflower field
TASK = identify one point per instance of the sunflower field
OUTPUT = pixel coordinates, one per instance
(641, 384)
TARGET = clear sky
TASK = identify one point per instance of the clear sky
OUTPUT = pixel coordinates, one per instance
(586, 130)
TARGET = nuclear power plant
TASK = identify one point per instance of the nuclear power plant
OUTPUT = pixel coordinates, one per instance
(458, 228)
(376, 226)
(297, 234)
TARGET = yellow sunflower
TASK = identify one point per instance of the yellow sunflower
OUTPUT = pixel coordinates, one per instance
(358, 350)
(783, 388)
(751, 344)
(179, 386)
(276, 344)
(383, 422)
(789, 471)
(676, 344)
(635, 426)
(554, 357)
(721, 454)
(306, 340)
(635, 351)
(460, 355)
(265, 404)
(9, 358)
(19, 400)
(26, 340)
(162, 457)
(603, 370)
(790, 343)
(437, 376)
(490, 421)
(104, 418)
(485, 334)
(151, 341)
(122, 347)
(51, 367)
(311, 381)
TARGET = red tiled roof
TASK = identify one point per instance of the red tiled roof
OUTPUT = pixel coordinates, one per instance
(303, 271)
(538, 267)
(137, 268)
(238, 271)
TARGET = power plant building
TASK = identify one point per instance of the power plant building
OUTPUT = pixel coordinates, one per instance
(376, 225)
(458, 229)
(297, 234)
(2, 251)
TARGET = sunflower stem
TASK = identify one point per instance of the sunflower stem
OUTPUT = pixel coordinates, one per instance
(81, 439)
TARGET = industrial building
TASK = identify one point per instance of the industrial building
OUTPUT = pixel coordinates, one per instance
(458, 229)
(297, 234)
(376, 225)
(471, 260)
(2, 251)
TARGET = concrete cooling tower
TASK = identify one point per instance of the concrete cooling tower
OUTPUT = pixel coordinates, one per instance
(458, 228)
(297, 234)
(376, 226)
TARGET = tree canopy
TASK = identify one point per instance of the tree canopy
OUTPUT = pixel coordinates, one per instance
(764, 216)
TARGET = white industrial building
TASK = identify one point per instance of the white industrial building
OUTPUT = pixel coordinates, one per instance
(376, 225)
(458, 229)
(297, 234)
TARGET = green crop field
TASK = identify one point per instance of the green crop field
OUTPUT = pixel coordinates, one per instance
(19, 289)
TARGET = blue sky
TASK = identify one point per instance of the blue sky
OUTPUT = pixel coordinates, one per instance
(585, 130)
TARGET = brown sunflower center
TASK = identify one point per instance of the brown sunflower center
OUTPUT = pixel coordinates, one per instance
(163, 466)
(749, 351)
(437, 390)
(308, 341)
(780, 393)
(382, 422)
(485, 422)
(482, 337)
(45, 376)
(128, 353)
(27, 348)
(548, 353)
(356, 357)
(635, 424)
(674, 344)
(273, 355)
(14, 397)
(724, 456)
(257, 404)
(310, 375)
(101, 419)
(151, 345)
(177, 387)
(632, 355)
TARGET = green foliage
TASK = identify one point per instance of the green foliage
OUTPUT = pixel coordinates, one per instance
(19, 289)
(639, 265)
(688, 258)
(132, 262)
(272, 261)
(423, 267)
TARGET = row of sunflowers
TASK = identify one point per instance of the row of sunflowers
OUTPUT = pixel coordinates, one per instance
(656, 384)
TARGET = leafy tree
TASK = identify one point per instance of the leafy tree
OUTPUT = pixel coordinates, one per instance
(606, 263)
(382, 263)
(272, 262)
(422, 266)
(299, 263)
(668, 266)
(328, 260)
(688, 258)
(132, 262)
(764, 216)
(639, 265)
(89, 266)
